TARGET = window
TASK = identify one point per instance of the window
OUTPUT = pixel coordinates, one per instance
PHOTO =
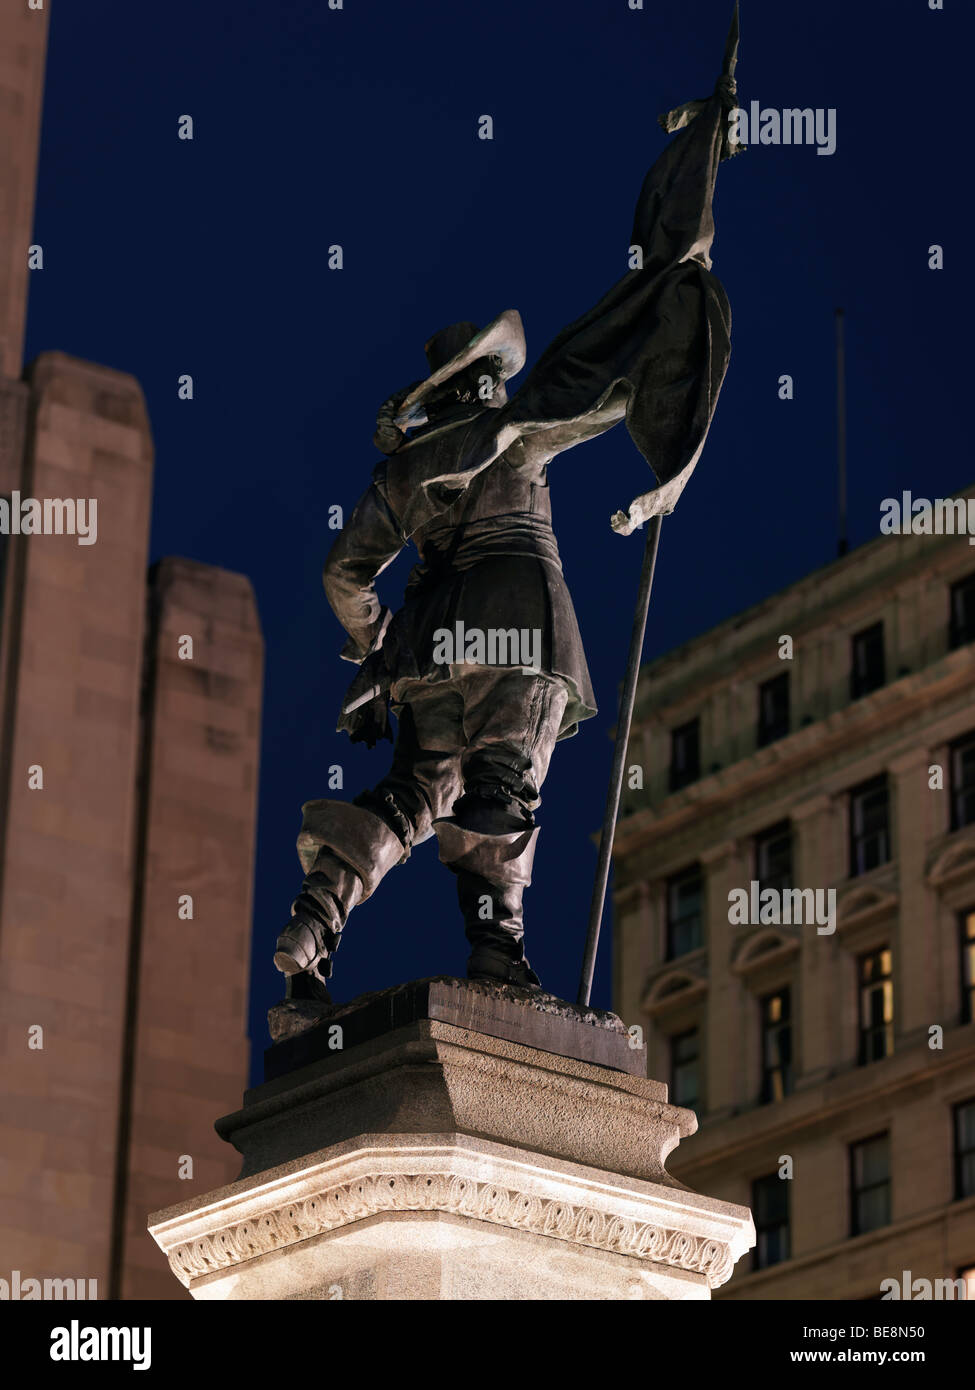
(685, 755)
(685, 1057)
(869, 826)
(867, 668)
(684, 893)
(773, 709)
(876, 1007)
(870, 1184)
(770, 1207)
(773, 857)
(965, 1150)
(967, 924)
(963, 782)
(776, 1046)
(962, 620)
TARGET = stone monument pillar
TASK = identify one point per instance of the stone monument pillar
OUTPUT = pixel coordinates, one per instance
(448, 1139)
(23, 49)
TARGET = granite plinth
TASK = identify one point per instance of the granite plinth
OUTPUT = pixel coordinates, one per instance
(428, 1160)
(304, 1032)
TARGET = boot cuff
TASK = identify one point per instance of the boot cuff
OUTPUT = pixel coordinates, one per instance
(501, 859)
(354, 835)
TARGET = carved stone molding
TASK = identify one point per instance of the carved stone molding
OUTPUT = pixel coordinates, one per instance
(953, 858)
(864, 906)
(763, 948)
(675, 988)
(332, 1207)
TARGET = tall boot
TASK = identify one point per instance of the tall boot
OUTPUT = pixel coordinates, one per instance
(492, 871)
(345, 851)
(318, 914)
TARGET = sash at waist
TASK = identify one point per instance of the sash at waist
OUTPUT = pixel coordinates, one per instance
(457, 548)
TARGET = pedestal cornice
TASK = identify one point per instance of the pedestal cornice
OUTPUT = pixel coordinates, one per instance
(451, 1175)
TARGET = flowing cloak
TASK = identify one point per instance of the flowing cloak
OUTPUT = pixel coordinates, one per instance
(663, 331)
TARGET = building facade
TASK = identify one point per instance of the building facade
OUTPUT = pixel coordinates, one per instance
(129, 739)
(795, 918)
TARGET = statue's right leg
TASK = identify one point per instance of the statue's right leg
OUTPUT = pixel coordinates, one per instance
(347, 848)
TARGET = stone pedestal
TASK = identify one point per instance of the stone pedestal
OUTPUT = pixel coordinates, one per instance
(429, 1143)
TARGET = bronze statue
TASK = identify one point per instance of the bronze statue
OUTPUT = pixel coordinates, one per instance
(483, 665)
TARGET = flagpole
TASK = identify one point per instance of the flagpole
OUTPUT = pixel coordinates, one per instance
(627, 701)
(628, 693)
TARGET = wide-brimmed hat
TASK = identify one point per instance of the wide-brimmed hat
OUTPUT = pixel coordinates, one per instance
(460, 345)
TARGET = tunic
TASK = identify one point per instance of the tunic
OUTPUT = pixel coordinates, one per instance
(488, 560)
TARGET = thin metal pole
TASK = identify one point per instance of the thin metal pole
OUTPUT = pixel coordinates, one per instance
(841, 546)
(627, 700)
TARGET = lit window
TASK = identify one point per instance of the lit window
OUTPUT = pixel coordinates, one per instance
(776, 1046)
(876, 1006)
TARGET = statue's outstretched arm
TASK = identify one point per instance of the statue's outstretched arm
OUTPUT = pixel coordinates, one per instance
(540, 444)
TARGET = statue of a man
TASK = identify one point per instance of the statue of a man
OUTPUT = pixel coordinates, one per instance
(483, 665)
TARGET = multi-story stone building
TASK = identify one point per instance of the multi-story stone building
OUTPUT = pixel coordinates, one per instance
(822, 740)
(128, 786)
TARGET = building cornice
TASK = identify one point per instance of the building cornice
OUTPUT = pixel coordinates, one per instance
(897, 703)
(895, 575)
(842, 1094)
(852, 1246)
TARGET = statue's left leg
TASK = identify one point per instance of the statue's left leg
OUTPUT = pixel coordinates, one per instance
(511, 722)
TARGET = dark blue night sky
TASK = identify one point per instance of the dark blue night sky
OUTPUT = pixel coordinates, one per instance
(358, 126)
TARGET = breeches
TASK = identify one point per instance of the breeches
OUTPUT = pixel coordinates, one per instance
(477, 744)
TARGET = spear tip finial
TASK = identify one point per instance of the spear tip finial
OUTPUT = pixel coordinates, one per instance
(731, 47)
